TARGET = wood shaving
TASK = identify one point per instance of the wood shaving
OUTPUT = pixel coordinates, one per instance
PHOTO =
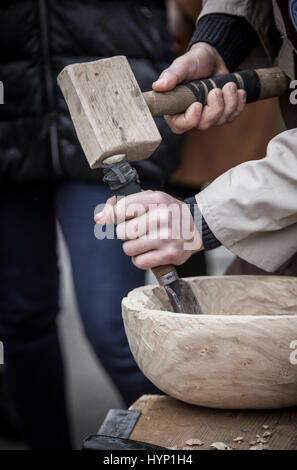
(260, 446)
(265, 426)
(267, 434)
(172, 448)
(238, 439)
(261, 440)
(194, 442)
(220, 446)
(253, 443)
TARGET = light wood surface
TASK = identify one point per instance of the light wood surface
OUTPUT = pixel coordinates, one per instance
(170, 423)
(108, 110)
(236, 355)
(273, 82)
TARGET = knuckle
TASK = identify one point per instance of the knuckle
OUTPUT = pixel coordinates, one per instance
(163, 216)
(158, 197)
(172, 125)
(120, 231)
(172, 253)
(235, 114)
(217, 114)
(203, 126)
(220, 108)
(126, 250)
(118, 214)
(231, 119)
(112, 201)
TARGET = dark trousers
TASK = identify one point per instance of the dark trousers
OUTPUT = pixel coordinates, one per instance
(29, 293)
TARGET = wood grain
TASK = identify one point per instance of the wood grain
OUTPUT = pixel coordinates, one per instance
(273, 82)
(108, 110)
(170, 423)
(236, 355)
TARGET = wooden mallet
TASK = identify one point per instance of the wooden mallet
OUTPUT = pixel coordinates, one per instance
(114, 123)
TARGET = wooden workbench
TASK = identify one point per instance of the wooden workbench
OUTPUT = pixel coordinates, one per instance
(169, 423)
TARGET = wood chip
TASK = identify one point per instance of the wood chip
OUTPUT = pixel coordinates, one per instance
(261, 440)
(172, 448)
(238, 439)
(253, 443)
(267, 434)
(265, 426)
(260, 446)
(194, 442)
(220, 446)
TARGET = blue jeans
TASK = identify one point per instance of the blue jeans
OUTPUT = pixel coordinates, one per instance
(29, 292)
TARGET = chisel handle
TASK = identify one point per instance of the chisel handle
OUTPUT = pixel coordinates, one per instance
(132, 186)
(259, 84)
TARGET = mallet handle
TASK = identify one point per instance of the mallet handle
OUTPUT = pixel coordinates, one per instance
(259, 84)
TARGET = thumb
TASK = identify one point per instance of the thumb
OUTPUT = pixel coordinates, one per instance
(179, 71)
(202, 60)
(167, 81)
(107, 216)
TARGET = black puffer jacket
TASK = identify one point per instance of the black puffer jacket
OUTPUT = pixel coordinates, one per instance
(37, 39)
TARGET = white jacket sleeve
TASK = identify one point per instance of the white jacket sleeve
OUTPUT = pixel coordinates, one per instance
(252, 208)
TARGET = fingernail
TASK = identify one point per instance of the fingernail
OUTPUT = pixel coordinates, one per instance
(233, 89)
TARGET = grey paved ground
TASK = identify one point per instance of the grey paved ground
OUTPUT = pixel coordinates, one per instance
(91, 394)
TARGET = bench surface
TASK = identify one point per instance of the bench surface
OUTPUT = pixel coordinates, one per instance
(170, 423)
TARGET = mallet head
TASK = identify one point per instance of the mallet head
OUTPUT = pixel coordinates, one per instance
(108, 110)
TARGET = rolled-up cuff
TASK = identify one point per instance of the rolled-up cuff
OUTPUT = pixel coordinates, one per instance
(232, 36)
(210, 242)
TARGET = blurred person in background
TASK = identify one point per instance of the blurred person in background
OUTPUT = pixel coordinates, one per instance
(45, 176)
(250, 209)
(209, 153)
(255, 223)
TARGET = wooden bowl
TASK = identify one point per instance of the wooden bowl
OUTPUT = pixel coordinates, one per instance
(238, 354)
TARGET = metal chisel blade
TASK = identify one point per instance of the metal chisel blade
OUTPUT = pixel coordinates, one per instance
(119, 423)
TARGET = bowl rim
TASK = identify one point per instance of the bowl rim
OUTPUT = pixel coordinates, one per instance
(143, 309)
